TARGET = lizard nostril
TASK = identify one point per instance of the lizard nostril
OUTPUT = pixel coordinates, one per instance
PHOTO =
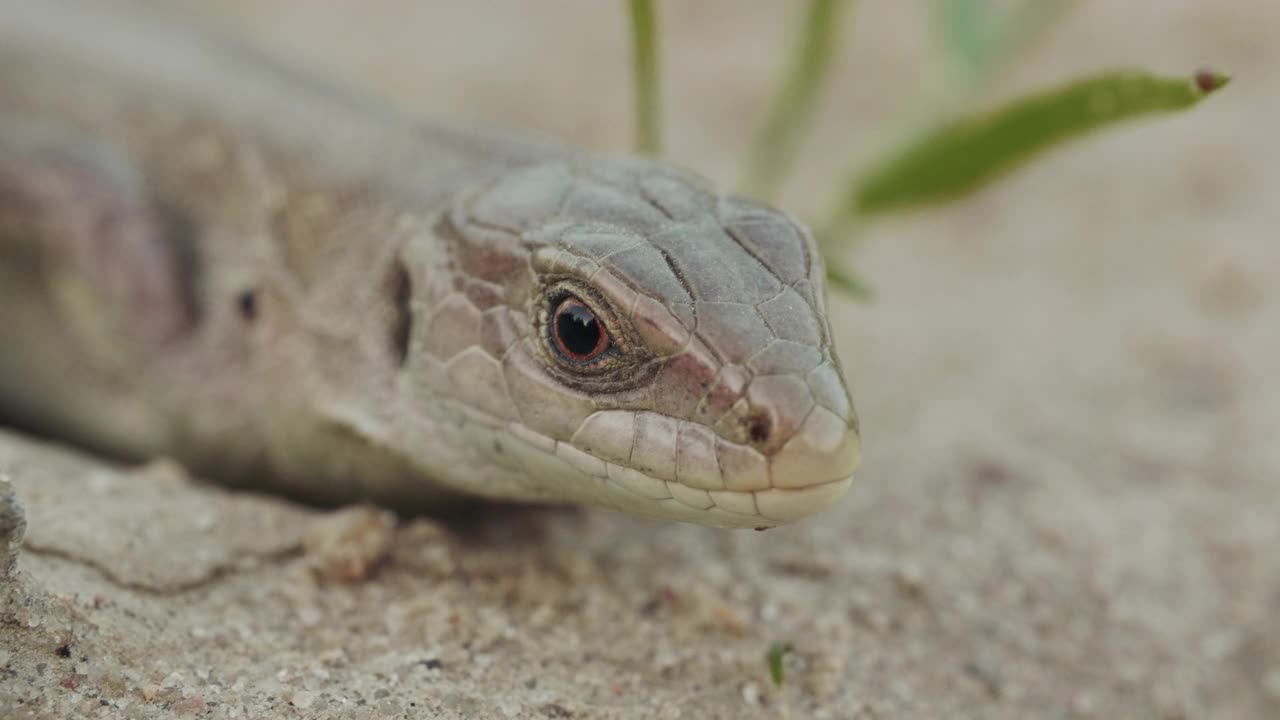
(759, 427)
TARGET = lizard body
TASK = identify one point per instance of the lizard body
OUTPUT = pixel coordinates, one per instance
(206, 256)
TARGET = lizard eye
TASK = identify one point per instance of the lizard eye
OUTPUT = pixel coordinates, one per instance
(576, 334)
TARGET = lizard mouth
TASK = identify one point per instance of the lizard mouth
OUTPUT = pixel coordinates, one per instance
(695, 476)
(722, 508)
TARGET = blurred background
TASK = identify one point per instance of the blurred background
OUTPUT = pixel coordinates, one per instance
(1070, 503)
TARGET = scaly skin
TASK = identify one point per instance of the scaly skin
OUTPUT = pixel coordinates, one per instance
(207, 257)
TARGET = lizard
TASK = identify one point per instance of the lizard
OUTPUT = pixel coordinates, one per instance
(209, 255)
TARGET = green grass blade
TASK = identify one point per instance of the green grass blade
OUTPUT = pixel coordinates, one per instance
(962, 156)
(793, 104)
(644, 67)
(847, 281)
(773, 658)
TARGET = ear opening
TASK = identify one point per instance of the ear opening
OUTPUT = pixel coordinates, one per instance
(400, 328)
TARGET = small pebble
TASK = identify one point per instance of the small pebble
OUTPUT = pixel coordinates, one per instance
(172, 681)
(729, 620)
(309, 616)
(193, 705)
(346, 545)
(1084, 704)
(910, 580)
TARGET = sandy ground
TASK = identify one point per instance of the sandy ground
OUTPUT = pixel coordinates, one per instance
(1070, 505)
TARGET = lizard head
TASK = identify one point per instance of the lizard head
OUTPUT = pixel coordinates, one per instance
(627, 337)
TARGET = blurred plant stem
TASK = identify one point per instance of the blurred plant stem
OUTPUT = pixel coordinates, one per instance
(982, 37)
(792, 107)
(644, 65)
(847, 281)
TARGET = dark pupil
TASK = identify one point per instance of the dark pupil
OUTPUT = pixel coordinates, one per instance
(577, 329)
